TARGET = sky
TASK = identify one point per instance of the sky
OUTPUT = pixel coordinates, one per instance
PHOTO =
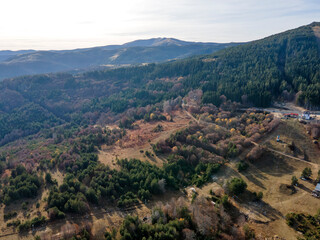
(70, 24)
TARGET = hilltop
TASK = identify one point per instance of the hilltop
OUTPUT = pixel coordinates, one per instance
(137, 52)
(4, 55)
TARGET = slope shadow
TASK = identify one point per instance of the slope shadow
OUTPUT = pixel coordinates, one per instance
(268, 164)
(259, 208)
(254, 178)
(274, 165)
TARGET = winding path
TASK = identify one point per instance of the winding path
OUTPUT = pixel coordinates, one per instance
(286, 155)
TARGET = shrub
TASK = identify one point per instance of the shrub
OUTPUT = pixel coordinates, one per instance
(24, 206)
(294, 180)
(15, 223)
(55, 213)
(35, 222)
(242, 166)
(237, 186)
(225, 202)
(257, 196)
(48, 178)
(158, 128)
(9, 215)
(232, 150)
(306, 173)
(248, 232)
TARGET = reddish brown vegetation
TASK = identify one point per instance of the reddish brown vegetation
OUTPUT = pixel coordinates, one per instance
(208, 218)
(255, 154)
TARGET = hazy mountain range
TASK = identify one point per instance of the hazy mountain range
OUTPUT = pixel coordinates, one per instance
(26, 62)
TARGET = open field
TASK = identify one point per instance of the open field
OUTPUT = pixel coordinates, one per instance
(138, 140)
(270, 175)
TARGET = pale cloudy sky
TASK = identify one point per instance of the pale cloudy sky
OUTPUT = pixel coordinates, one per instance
(68, 24)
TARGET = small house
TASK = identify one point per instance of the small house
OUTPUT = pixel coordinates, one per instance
(306, 115)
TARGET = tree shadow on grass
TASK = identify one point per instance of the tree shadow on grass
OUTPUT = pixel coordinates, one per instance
(254, 178)
(257, 211)
(268, 164)
(162, 157)
(261, 208)
(225, 172)
(303, 187)
(262, 211)
(274, 165)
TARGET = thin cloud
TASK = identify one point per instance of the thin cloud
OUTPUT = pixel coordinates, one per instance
(80, 23)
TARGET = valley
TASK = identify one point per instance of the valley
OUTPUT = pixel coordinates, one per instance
(218, 146)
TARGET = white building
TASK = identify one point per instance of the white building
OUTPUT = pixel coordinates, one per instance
(316, 191)
(306, 115)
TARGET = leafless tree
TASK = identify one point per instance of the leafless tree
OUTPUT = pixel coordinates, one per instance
(255, 153)
(188, 234)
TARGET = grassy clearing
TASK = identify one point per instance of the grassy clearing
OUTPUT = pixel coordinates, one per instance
(271, 173)
(138, 141)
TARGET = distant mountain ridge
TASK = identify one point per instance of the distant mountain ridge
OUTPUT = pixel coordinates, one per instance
(29, 62)
(6, 54)
(284, 66)
(154, 42)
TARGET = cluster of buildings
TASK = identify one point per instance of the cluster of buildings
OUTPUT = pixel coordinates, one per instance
(305, 115)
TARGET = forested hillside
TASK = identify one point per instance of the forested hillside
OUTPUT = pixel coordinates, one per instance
(278, 67)
(264, 69)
